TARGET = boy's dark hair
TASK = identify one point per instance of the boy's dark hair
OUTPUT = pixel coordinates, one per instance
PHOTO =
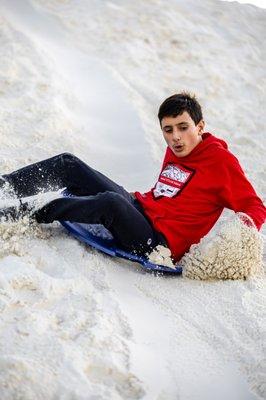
(177, 104)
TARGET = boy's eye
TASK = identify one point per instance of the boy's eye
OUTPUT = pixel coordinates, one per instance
(182, 128)
(167, 130)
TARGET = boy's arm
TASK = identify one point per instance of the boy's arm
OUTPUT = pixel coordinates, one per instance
(238, 194)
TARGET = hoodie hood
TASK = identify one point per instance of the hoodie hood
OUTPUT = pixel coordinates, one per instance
(209, 144)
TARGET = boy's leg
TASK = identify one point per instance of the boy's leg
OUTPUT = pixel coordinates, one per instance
(63, 170)
(129, 226)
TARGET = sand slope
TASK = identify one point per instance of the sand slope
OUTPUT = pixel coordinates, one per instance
(88, 77)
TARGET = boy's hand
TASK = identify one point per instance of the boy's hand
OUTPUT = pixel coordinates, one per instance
(246, 219)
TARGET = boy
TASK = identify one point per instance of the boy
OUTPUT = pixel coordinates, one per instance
(198, 178)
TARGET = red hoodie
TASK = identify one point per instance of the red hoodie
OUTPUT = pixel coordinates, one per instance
(192, 191)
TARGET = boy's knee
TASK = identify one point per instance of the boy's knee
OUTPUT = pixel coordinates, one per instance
(113, 199)
(69, 158)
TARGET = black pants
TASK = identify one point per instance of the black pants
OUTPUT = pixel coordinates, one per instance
(97, 200)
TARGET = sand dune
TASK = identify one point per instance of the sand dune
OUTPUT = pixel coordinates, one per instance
(88, 77)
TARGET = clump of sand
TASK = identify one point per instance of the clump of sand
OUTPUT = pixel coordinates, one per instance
(13, 235)
(162, 256)
(235, 252)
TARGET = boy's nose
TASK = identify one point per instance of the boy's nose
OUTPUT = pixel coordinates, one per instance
(176, 134)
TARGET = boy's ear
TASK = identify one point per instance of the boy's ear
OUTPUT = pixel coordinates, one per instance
(201, 125)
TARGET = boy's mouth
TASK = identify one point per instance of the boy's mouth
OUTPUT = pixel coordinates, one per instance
(178, 147)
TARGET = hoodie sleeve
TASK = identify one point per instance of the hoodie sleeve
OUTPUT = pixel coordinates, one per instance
(237, 192)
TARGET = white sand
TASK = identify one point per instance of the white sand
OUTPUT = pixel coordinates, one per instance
(88, 77)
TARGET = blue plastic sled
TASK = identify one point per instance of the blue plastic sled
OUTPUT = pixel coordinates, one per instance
(101, 239)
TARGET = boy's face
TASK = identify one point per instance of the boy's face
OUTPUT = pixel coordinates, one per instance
(181, 134)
